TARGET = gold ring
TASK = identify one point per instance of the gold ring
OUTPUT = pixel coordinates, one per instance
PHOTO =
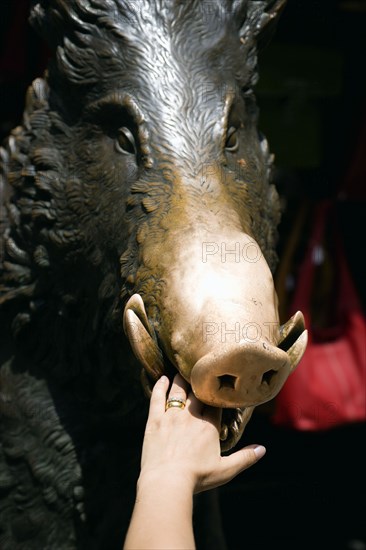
(175, 402)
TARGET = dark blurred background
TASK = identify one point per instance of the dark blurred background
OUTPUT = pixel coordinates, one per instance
(309, 491)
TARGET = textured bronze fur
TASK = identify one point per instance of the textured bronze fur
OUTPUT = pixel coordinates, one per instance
(76, 211)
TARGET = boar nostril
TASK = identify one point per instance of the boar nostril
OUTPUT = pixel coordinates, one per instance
(227, 381)
(268, 376)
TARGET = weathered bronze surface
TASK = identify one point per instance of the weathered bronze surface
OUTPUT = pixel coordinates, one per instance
(139, 228)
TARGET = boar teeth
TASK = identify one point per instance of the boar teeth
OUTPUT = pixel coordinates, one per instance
(224, 432)
(234, 427)
(239, 416)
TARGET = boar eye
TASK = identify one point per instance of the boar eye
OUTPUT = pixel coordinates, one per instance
(125, 142)
(232, 140)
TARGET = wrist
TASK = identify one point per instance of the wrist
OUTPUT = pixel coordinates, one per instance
(165, 481)
(162, 515)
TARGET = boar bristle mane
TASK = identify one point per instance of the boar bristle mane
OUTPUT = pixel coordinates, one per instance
(85, 33)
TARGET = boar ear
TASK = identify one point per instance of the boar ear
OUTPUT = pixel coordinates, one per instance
(261, 20)
(269, 22)
(52, 18)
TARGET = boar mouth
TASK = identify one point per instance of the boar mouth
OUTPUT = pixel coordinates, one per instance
(155, 362)
(233, 421)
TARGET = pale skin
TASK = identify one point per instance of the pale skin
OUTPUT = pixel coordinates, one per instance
(180, 457)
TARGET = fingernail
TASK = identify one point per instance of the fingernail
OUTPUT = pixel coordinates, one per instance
(259, 451)
(162, 379)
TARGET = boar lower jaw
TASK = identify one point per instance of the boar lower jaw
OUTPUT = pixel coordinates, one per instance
(233, 423)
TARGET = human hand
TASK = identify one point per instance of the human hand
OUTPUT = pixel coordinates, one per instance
(184, 443)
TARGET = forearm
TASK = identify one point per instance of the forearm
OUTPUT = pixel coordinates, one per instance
(162, 516)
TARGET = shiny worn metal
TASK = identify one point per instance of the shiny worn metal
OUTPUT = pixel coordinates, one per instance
(138, 230)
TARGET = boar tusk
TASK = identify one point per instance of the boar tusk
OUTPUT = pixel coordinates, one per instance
(136, 304)
(140, 336)
(290, 331)
(297, 350)
(294, 338)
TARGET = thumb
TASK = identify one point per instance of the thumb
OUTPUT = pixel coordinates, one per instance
(235, 463)
(232, 465)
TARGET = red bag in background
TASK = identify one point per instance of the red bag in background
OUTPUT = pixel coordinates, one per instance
(328, 388)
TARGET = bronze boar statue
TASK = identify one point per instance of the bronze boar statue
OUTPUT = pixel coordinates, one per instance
(139, 227)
